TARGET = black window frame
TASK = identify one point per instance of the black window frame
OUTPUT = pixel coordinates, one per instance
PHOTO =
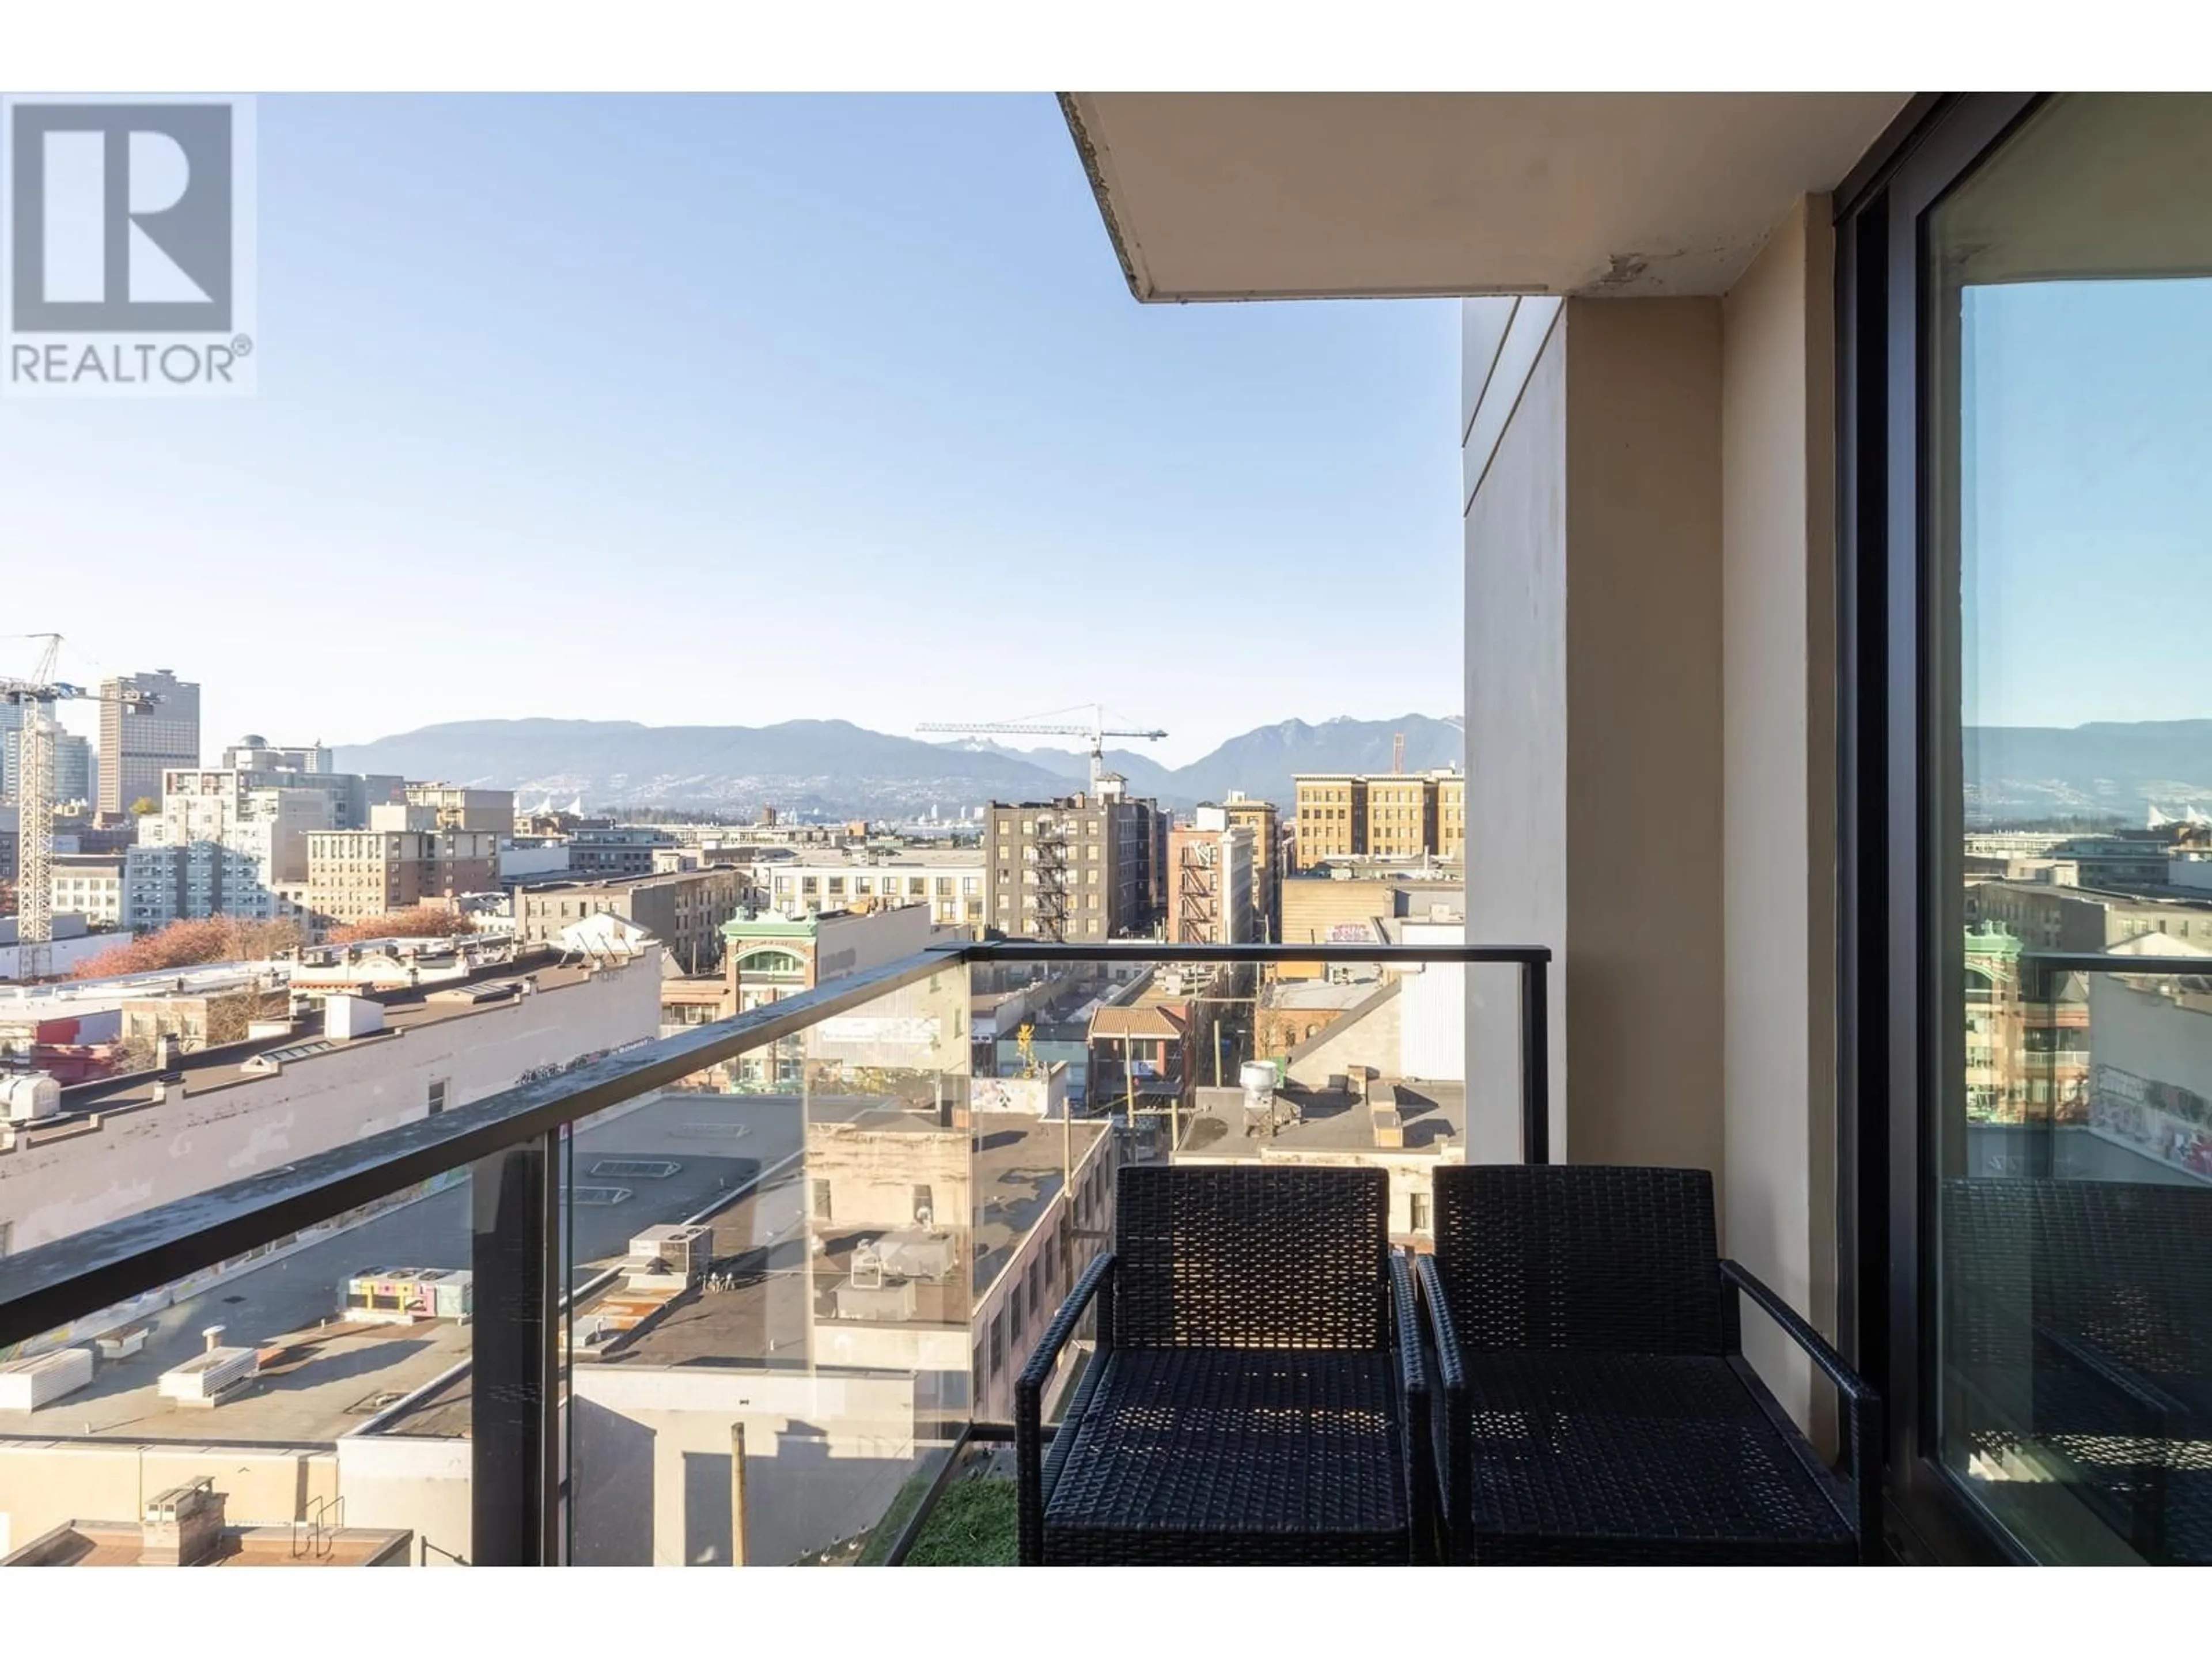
(1893, 1034)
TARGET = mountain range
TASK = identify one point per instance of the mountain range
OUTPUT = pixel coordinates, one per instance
(2117, 769)
(838, 769)
(2113, 769)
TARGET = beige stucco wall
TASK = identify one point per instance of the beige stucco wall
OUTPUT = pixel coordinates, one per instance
(1651, 734)
(1643, 703)
(1593, 646)
(1779, 738)
(410, 1481)
(48, 1482)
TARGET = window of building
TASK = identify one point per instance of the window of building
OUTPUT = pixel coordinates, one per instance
(1418, 1205)
(822, 1201)
(437, 1096)
(998, 1341)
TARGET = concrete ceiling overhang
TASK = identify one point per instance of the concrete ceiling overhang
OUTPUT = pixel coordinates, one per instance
(1244, 196)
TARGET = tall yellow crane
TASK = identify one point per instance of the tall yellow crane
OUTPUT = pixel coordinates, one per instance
(1096, 730)
(34, 799)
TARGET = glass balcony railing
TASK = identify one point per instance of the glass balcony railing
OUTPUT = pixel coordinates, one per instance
(757, 1291)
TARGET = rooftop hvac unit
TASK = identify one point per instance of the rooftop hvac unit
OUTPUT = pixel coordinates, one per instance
(30, 1097)
(867, 1267)
(27, 1384)
(684, 1249)
(205, 1378)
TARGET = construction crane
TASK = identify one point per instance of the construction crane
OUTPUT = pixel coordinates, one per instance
(34, 799)
(1097, 732)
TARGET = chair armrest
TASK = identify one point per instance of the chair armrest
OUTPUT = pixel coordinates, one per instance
(1862, 1404)
(2159, 1415)
(1416, 1458)
(1406, 1316)
(1451, 1368)
(1029, 1409)
(1450, 1450)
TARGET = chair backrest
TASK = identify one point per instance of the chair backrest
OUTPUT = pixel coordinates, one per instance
(1221, 1257)
(1579, 1256)
(2122, 1266)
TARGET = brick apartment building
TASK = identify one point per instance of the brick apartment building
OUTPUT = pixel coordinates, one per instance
(1386, 814)
(356, 874)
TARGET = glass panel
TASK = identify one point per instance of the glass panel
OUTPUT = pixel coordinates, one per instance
(319, 1388)
(2070, 466)
(767, 1352)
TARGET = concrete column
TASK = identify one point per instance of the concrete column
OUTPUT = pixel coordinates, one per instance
(1594, 718)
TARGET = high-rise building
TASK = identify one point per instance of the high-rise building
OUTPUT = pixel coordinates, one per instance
(1392, 815)
(137, 745)
(72, 775)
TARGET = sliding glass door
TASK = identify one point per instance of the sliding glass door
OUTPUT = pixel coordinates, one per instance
(2029, 463)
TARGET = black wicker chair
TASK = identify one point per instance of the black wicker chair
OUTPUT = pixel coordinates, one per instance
(1594, 1406)
(2079, 1321)
(1255, 1395)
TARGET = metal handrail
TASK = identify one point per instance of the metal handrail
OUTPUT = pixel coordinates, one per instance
(49, 1284)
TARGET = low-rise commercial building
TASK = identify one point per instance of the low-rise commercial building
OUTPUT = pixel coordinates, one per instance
(615, 850)
(2049, 917)
(949, 880)
(684, 911)
(89, 885)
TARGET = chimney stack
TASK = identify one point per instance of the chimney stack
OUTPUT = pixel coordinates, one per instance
(182, 1527)
(212, 1335)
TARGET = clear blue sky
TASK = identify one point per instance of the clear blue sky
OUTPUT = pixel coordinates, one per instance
(2087, 465)
(741, 409)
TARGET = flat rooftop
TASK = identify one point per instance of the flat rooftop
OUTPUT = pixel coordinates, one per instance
(1300, 994)
(122, 1544)
(322, 1376)
(1430, 1112)
(2160, 894)
(209, 1069)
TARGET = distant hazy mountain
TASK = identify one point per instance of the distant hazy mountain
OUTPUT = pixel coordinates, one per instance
(2112, 768)
(829, 767)
(836, 768)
